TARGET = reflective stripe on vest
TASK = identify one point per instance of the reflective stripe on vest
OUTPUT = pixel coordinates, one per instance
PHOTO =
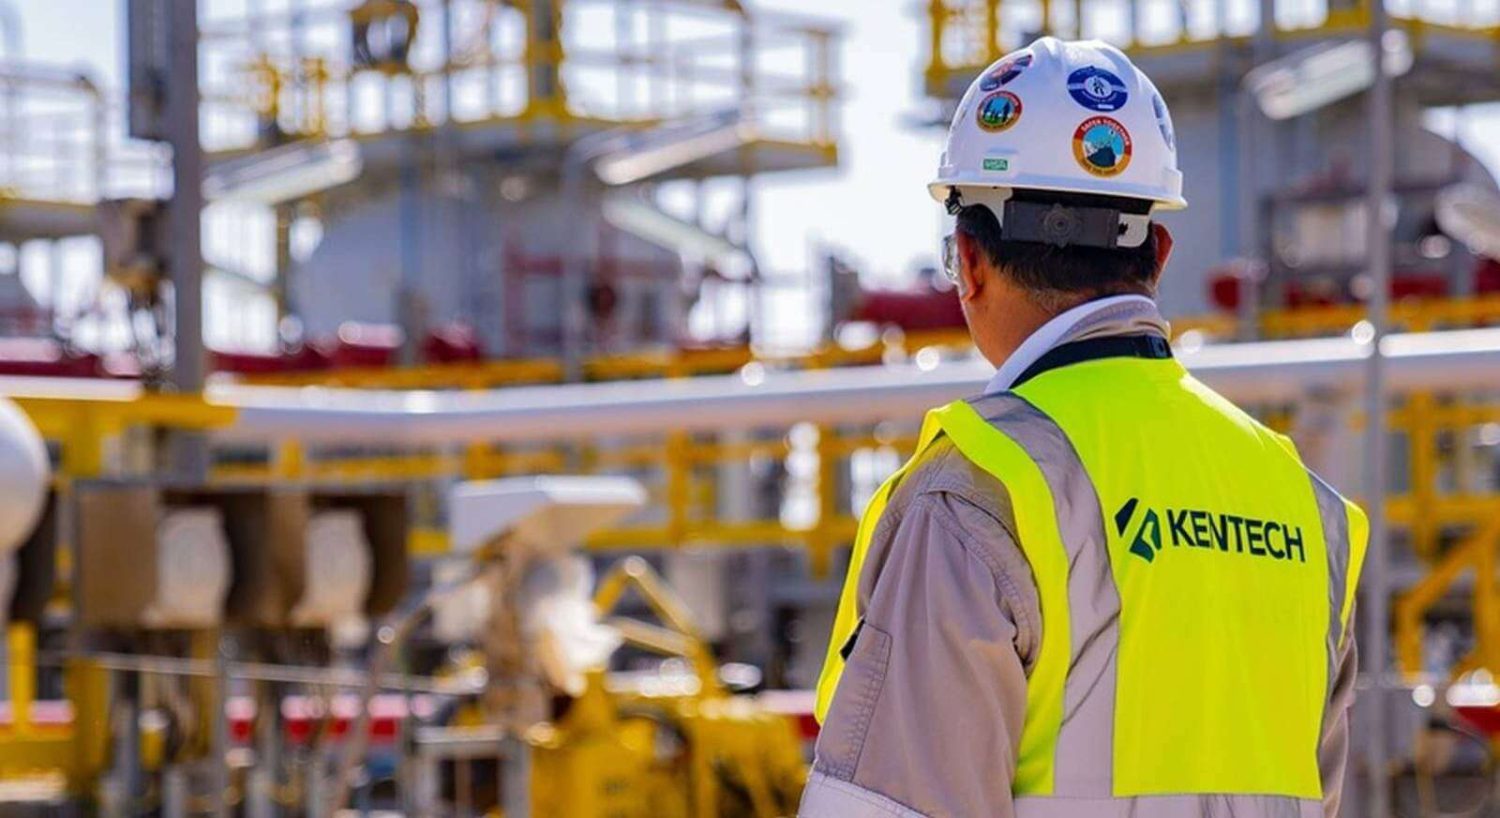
(1161, 526)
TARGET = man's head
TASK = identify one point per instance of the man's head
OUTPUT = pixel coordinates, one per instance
(1056, 160)
(1009, 288)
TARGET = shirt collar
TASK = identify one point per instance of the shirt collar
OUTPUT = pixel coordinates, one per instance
(1050, 335)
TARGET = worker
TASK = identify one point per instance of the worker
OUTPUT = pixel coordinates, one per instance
(1098, 589)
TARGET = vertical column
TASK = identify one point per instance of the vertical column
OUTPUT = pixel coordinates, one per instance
(749, 116)
(992, 47)
(281, 287)
(188, 450)
(544, 52)
(21, 658)
(1377, 591)
(410, 300)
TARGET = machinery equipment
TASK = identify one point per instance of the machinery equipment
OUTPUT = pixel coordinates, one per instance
(559, 732)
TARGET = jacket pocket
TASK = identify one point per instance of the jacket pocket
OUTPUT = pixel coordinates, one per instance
(848, 723)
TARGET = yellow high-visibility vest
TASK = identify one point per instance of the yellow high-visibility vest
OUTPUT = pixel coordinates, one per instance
(1232, 570)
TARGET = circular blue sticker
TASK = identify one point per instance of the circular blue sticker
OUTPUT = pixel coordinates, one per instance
(1005, 72)
(1163, 121)
(999, 111)
(1097, 89)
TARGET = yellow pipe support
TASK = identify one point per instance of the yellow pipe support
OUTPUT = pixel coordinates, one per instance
(290, 459)
(203, 694)
(679, 487)
(992, 28)
(32, 754)
(1451, 416)
(634, 572)
(1422, 439)
(476, 456)
(427, 542)
(824, 537)
(82, 425)
(680, 634)
(1412, 605)
(87, 688)
(20, 643)
(1475, 551)
(937, 24)
(652, 637)
(1453, 509)
(1402, 511)
(1487, 599)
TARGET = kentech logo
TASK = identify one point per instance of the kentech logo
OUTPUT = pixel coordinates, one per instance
(1197, 528)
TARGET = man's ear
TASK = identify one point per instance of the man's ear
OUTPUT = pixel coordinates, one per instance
(1163, 246)
(970, 267)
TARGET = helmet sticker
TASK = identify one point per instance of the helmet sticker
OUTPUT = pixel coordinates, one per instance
(1163, 121)
(1102, 146)
(998, 111)
(996, 164)
(1097, 89)
(1005, 72)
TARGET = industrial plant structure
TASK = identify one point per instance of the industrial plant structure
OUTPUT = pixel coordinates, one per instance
(498, 491)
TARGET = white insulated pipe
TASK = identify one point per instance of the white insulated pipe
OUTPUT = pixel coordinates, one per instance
(1271, 371)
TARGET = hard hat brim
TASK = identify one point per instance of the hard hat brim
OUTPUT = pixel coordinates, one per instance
(939, 188)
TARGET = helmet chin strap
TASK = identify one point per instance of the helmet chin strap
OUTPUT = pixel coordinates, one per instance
(1054, 223)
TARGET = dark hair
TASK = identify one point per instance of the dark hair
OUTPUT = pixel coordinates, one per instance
(1056, 277)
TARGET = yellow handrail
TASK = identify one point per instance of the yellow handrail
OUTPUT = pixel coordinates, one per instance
(966, 35)
(668, 68)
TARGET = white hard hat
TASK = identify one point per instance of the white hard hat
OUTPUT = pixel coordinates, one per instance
(1064, 117)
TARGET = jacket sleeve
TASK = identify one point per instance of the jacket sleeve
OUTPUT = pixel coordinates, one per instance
(1333, 746)
(927, 716)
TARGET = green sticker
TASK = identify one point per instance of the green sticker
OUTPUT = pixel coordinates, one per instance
(997, 164)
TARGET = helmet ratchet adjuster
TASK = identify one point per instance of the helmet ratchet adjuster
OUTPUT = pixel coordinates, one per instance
(1061, 225)
(1056, 223)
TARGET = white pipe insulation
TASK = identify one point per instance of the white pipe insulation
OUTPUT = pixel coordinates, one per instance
(1254, 372)
(1271, 371)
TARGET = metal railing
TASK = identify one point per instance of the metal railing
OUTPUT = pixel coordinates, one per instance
(54, 138)
(965, 35)
(609, 63)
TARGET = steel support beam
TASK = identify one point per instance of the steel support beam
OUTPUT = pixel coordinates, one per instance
(188, 451)
(1377, 591)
